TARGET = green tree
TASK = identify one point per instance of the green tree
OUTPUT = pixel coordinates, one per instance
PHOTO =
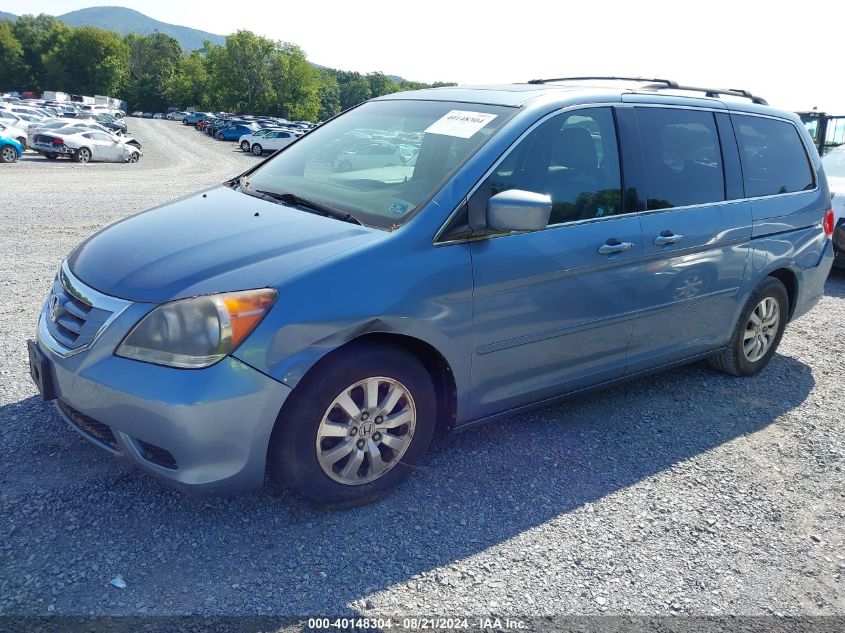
(90, 61)
(12, 67)
(354, 88)
(296, 84)
(189, 85)
(40, 36)
(153, 62)
(329, 95)
(242, 72)
(381, 84)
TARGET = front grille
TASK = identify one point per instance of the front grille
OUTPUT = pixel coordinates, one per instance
(157, 455)
(73, 321)
(90, 426)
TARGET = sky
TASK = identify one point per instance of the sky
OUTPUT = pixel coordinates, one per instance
(789, 53)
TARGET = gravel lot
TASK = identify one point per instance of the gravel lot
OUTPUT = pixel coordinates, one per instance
(688, 493)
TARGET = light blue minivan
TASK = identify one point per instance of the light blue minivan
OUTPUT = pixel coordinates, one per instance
(491, 249)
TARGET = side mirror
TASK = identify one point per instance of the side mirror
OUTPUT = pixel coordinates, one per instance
(517, 210)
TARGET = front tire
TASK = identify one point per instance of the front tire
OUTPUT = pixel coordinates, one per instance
(257, 149)
(244, 146)
(133, 157)
(22, 141)
(8, 154)
(758, 331)
(355, 427)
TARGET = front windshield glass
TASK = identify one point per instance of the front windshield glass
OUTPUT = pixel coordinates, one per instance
(382, 160)
(834, 163)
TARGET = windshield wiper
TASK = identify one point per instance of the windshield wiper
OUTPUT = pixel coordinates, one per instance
(299, 201)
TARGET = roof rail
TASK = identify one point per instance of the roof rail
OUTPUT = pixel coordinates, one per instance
(664, 84)
(667, 82)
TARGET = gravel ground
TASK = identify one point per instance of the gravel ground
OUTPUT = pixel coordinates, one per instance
(687, 493)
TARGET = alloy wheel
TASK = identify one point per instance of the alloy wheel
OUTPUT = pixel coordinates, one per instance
(366, 430)
(761, 329)
(9, 154)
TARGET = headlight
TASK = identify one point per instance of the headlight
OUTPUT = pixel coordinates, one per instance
(197, 332)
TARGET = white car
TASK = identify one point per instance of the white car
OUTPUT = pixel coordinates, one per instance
(176, 116)
(10, 118)
(834, 167)
(63, 127)
(10, 131)
(158, 115)
(272, 141)
(85, 146)
(369, 156)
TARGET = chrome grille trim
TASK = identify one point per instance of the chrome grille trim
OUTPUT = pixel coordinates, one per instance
(77, 307)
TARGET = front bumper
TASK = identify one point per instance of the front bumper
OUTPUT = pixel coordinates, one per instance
(205, 429)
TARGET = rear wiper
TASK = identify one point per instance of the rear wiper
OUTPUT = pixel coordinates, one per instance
(299, 201)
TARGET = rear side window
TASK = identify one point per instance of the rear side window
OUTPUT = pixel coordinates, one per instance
(774, 159)
(682, 158)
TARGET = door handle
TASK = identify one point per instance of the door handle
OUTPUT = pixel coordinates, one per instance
(667, 237)
(614, 246)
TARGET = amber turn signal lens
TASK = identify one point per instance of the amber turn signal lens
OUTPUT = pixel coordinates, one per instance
(246, 310)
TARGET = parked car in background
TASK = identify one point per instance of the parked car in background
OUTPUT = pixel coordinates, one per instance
(194, 117)
(834, 167)
(369, 156)
(234, 132)
(9, 131)
(85, 146)
(158, 115)
(14, 120)
(10, 150)
(273, 141)
(245, 142)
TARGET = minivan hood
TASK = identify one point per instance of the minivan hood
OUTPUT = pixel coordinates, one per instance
(217, 241)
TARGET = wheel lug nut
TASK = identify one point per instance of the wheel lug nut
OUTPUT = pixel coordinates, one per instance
(379, 420)
(376, 436)
(360, 444)
(365, 415)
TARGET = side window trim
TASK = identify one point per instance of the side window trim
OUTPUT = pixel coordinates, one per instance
(475, 212)
(731, 162)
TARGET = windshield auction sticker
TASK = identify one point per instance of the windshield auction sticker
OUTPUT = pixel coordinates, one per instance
(460, 123)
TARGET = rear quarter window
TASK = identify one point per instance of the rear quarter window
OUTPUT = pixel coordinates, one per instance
(774, 159)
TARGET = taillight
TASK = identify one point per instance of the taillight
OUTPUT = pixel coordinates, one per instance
(57, 141)
(827, 223)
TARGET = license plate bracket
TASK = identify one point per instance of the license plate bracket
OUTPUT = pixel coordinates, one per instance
(41, 371)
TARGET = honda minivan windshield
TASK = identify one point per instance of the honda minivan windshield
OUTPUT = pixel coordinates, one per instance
(379, 162)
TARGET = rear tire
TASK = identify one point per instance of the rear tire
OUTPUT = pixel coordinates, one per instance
(51, 155)
(312, 424)
(755, 340)
(83, 155)
(22, 141)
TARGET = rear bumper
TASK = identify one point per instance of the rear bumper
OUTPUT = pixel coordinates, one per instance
(811, 282)
(52, 149)
(206, 430)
